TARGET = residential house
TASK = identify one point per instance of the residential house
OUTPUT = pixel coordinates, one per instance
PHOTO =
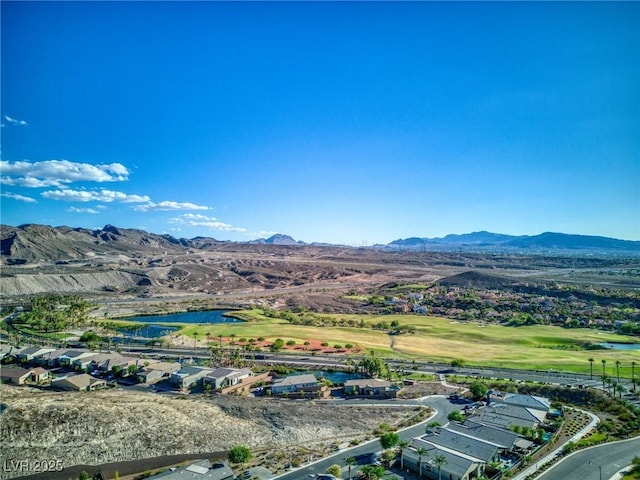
(14, 375)
(247, 384)
(32, 353)
(475, 447)
(81, 382)
(39, 374)
(507, 416)
(188, 377)
(225, 377)
(294, 383)
(70, 356)
(200, 470)
(83, 362)
(370, 387)
(157, 371)
(119, 362)
(8, 351)
(51, 359)
(528, 401)
(96, 362)
(457, 466)
(104, 362)
(505, 439)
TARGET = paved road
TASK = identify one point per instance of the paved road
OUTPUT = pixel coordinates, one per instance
(611, 457)
(442, 406)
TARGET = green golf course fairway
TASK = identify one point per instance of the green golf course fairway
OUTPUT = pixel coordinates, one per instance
(440, 339)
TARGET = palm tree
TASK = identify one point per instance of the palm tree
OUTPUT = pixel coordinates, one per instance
(618, 388)
(633, 375)
(350, 462)
(618, 370)
(402, 444)
(591, 360)
(613, 385)
(421, 451)
(604, 362)
(439, 461)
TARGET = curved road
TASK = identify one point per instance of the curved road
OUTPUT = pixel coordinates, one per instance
(439, 403)
(608, 458)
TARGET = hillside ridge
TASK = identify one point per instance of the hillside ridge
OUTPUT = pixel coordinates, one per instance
(32, 243)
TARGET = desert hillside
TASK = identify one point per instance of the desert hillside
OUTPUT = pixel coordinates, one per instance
(108, 426)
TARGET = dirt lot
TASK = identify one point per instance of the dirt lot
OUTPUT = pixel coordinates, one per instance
(108, 426)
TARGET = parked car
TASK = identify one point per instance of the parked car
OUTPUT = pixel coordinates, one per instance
(368, 459)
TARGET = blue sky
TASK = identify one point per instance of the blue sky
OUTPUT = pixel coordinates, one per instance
(331, 122)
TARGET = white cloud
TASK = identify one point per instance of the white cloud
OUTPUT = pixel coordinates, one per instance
(82, 210)
(197, 220)
(50, 173)
(168, 205)
(15, 121)
(261, 234)
(22, 198)
(27, 181)
(108, 196)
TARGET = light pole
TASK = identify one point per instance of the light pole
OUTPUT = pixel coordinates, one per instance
(599, 468)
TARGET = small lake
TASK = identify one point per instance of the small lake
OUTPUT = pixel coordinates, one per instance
(151, 330)
(621, 346)
(207, 316)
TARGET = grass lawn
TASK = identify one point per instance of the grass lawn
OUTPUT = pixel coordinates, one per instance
(36, 333)
(441, 339)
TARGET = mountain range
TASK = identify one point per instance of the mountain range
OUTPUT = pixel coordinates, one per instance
(29, 243)
(544, 241)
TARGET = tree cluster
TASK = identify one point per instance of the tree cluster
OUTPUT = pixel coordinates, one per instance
(54, 313)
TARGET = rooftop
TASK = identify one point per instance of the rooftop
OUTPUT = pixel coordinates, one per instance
(201, 469)
(367, 382)
(474, 447)
(296, 380)
(14, 372)
(490, 433)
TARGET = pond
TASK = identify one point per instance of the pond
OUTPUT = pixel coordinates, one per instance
(621, 346)
(152, 327)
(151, 330)
(205, 316)
(334, 376)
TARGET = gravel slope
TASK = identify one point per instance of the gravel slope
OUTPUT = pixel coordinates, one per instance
(108, 426)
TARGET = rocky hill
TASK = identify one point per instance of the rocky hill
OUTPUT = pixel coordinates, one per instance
(473, 279)
(33, 243)
(278, 239)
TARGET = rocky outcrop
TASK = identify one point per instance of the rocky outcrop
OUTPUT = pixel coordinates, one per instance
(35, 243)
